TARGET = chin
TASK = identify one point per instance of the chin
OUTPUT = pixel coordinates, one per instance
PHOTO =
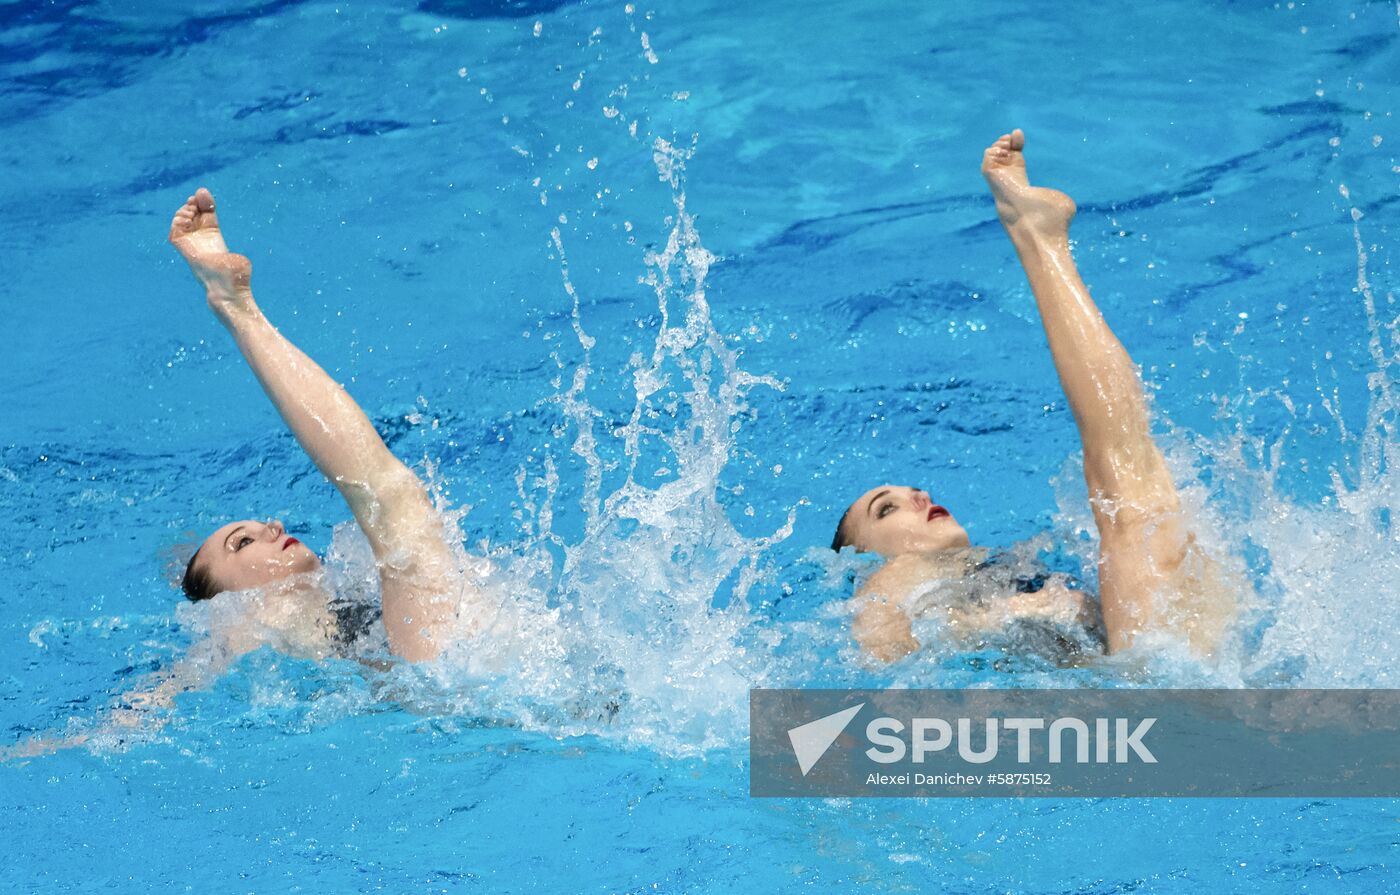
(951, 537)
(303, 560)
(305, 566)
(956, 535)
(292, 568)
(943, 544)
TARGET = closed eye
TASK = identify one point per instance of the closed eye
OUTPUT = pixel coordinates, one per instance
(884, 510)
(242, 542)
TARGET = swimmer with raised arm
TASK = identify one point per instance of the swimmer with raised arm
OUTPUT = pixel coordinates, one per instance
(417, 567)
(1152, 574)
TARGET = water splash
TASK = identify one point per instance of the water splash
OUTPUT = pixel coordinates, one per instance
(639, 628)
(1333, 567)
(1323, 606)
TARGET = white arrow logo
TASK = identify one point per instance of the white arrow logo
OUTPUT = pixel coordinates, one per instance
(811, 740)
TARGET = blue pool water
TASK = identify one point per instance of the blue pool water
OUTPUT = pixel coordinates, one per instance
(423, 191)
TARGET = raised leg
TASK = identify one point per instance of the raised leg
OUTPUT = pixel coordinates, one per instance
(1152, 575)
(417, 566)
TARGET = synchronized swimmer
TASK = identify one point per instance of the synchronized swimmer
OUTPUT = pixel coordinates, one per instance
(419, 573)
(1153, 576)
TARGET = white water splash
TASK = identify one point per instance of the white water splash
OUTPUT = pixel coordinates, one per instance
(1335, 566)
(643, 631)
(1325, 602)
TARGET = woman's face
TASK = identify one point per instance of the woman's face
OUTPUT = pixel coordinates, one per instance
(894, 519)
(252, 554)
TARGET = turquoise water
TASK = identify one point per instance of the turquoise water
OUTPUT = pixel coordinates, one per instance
(421, 189)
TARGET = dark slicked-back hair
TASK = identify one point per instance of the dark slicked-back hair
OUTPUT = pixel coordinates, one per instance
(843, 536)
(198, 584)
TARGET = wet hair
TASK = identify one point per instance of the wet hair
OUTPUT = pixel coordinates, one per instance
(198, 584)
(843, 534)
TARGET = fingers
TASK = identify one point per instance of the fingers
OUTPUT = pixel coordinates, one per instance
(203, 199)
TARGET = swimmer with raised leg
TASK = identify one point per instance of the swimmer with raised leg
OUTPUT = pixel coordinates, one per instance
(1152, 574)
(418, 571)
(426, 599)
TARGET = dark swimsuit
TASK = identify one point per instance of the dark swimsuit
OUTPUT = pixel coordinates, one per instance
(353, 623)
(1055, 642)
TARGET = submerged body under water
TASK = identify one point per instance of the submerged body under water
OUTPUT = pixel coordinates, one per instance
(456, 217)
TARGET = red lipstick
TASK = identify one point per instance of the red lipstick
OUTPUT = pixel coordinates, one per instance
(290, 542)
(936, 511)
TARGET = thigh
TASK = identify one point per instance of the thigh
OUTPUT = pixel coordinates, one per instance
(1154, 576)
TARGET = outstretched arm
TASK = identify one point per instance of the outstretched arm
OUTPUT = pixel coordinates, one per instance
(138, 712)
(386, 498)
(1144, 544)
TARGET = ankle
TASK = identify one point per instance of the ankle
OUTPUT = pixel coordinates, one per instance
(232, 306)
(1037, 242)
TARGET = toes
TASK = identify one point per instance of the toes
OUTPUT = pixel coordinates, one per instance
(183, 221)
(203, 199)
(1018, 139)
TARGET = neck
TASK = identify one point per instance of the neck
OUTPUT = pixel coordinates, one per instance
(955, 563)
(291, 616)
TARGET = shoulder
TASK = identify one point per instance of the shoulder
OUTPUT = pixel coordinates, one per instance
(893, 581)
(881, 624)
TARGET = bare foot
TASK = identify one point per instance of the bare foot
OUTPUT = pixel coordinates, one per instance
(195, 232)
(1023, 208)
